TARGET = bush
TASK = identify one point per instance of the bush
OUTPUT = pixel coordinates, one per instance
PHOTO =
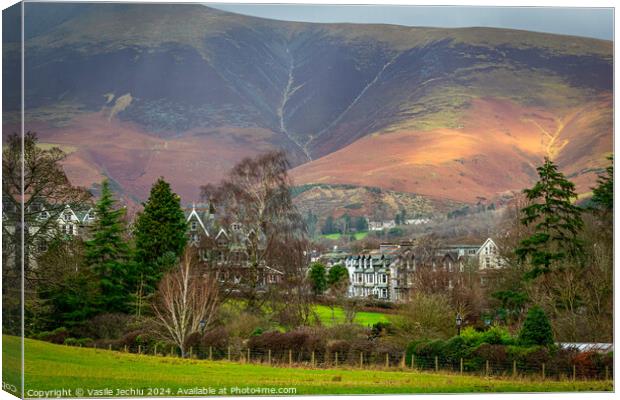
(536, 329)
(495, 354)
(70, 341)
(493, 335)
(106, 326)
(528, 358)
(57, 336)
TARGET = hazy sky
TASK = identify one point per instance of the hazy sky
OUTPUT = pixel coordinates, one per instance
(590, 22)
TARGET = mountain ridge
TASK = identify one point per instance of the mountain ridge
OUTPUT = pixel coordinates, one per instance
(233, 84)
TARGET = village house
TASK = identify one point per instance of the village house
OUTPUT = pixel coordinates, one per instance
(391, 272)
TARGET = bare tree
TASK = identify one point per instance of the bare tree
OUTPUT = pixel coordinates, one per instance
(255, 207)
(186, 297)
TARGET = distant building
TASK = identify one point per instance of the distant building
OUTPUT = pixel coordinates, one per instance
(391, 272)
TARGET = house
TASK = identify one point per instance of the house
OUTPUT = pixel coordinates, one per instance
(223, 246)
(396, 270)
(381, 225)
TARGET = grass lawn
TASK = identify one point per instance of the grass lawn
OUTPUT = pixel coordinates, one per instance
(336, 236)
(50, 367)
(361, 318)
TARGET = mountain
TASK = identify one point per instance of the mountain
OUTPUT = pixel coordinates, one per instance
(185, 91)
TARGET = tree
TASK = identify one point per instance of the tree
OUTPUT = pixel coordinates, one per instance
(557, 221)
(536, 329)
(256, 208)
(108, 255)
(338, 283)
(426, 316)
(160, 234)
(46, 192)
(329, 226)
(186, 297)
(69, 291)
(361, 224)
(318, 278)
(603, 194)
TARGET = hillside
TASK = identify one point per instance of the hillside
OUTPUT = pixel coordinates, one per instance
(185, 91)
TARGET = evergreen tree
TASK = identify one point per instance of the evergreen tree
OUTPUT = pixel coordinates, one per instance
(557, 221)
(329, 226)
(361, 224)
(536, 329)
(160, 234)
(603, 194)
(338, 275)
(108, 256)
(318, 278)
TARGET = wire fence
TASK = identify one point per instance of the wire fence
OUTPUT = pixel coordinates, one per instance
(387, 360)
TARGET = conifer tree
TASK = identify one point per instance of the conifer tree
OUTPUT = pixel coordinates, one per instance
(536, 329)
(318, 278)
(556, 220)
(160, 234)
(603, 194)
(108, 254)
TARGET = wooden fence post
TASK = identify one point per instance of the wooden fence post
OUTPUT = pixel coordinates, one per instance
(514, 368)
(487, 368)
(436, 364)
(387, 360)
(461, 365)
(290, 357)
(404, 361)
(191, 352)
(413, 361)
(210, 353)
(171, 352)
(361, 359)
(606, 372)
(249, 356)
(110, 347)
(228, 353)
(155, 350)
(312, 359)
(269, 357)
(574, 372)
(543, 370)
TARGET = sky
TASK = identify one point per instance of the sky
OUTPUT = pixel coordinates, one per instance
(588, 22)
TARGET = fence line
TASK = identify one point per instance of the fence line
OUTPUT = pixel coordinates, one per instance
(386, 360)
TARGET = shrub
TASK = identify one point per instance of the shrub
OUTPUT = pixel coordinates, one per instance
(495, 354)
(493, 335)
(536, 329)
(71, 341)
(217, 339)
(57, 336)
(528, 358)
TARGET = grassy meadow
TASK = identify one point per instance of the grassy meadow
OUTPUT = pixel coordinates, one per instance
(363, 318)
(50, 367)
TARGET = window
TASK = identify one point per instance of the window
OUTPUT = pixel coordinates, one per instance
(194, 237)
(472, 251)
(67, 216)
(384, 278)
(384, 293)
(370, 278)
(44, 215)
(194, 225)
(68, 229)
(42, 247)
(236, 226)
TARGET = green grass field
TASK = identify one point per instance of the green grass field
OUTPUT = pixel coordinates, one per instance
(52, 367)
(336, 236)
(362, 318)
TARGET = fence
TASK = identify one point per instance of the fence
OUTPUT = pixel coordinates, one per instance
(305, 358)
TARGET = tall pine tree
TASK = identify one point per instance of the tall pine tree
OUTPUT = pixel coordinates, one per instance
(160, 235)
(557, 221)
(108, 254)
(603, 194)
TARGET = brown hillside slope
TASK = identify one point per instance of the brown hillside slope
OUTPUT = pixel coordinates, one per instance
(496, 149)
